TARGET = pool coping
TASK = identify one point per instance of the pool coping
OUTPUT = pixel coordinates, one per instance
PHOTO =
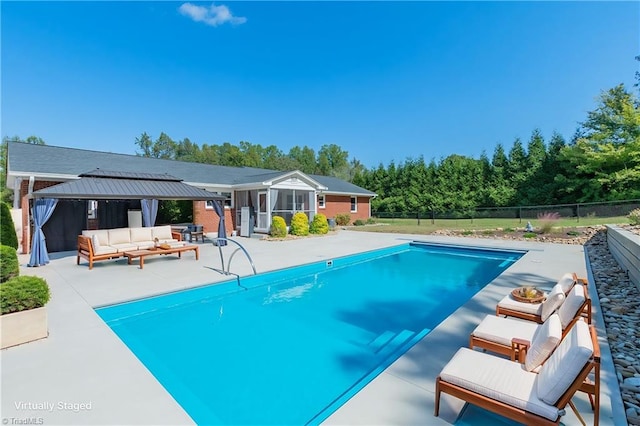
(82, 353)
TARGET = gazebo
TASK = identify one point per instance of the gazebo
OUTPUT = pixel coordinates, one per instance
(60, 212)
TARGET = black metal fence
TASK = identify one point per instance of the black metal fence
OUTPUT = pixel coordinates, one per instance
(576, 211)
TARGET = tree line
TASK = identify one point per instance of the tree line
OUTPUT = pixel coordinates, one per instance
(600, 163)
(330, 160)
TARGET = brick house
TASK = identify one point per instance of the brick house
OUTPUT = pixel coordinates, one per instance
(266, 193)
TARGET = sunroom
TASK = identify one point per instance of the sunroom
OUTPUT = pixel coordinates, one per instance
(276, 194)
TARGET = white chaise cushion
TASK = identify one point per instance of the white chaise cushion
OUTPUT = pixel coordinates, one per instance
(569, 308)
(566, 282)
(545, 339)
(503, 330)
(553, 302)
(509, 302)
(141, 234)
(497, 378)
(564, 365)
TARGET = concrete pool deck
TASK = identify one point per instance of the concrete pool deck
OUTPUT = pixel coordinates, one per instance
(84, 362)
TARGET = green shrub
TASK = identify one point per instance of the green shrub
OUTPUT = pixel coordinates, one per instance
(319, 224)
(371, 221)
(573, 233)
(529, 235)
(9, 267)
(467, 232)
(358, 222)
(278, 227)
(343, 219)
(23, 293)
(634, 217)
(8, 235)
(299, 224)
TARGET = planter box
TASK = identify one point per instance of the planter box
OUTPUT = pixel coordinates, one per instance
(22, 327)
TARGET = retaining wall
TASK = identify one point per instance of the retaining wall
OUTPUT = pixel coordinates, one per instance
(625, 248)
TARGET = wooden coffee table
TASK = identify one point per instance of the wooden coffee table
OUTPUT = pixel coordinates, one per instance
(155, 251)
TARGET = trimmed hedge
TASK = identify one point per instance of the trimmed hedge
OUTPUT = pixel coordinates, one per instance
(9, 266)
(319, 224)
(23, 293)
(8, 235)
(278, 227)
(299, 224)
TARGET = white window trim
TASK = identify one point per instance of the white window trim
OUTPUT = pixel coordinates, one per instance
(208, 206)
(322, 204)
(354, 200)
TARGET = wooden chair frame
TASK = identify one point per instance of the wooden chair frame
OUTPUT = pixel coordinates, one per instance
(523, 416)
(586, 309)
(85, 250)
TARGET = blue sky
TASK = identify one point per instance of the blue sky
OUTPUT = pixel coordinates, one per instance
(383, 80)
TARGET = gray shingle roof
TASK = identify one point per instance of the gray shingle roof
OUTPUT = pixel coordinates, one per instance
(129, 175)
(29, 159)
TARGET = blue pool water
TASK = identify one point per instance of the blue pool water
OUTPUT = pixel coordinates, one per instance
(293, 345)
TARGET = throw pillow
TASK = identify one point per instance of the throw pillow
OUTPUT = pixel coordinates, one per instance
(553, 302)
(546, 338)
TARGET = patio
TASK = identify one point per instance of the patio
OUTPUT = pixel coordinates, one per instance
(83, 361)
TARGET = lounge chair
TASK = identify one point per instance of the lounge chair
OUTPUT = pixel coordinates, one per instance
(508, 336)
(539, 312)
(507, 389)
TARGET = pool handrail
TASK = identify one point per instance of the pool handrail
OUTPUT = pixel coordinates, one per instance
(240, 247)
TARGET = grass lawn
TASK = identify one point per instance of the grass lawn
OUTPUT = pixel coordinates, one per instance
(411, 226)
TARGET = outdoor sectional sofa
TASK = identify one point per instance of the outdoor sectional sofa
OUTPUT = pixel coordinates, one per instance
(102, 244)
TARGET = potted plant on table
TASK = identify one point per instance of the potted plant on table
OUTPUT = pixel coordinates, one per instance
(23, 314)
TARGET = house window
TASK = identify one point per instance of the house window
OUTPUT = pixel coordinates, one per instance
(227, 200)
(354, 204)
(321, 201)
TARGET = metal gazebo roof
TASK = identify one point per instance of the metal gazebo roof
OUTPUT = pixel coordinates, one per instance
(114, 185)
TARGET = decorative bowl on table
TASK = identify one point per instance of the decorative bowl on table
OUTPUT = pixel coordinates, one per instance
(528, 295)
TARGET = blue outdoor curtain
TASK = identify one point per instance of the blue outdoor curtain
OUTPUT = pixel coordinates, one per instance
(222, 229)
(149, 211)
(41, 212)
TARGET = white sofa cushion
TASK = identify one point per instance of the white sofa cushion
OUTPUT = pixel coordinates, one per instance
(140, 234)
(104, 250)
(503, 330)
(553, 302)
(162, 233)
(103, 235)
(497, 378)
(119, 236)
(143, 245)
(95, 242)
(564, 365)
(545, 339)
(125, 247)
(571, 304)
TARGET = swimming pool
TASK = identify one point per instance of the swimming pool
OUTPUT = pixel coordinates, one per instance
(291, 346)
